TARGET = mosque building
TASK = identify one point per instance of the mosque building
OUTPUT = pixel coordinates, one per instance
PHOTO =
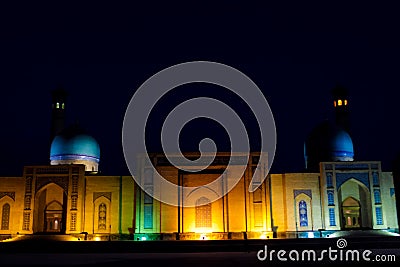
(69, 196)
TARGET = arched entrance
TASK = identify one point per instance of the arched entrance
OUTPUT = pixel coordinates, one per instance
(351, 213)
(49, 215)
(355, 205)
(53, 217)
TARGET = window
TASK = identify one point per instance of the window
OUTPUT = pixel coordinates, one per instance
(73, 222)
(57, 105)
(148, 211)
(375, 179)
(331, 198)
(74, 200)
(329, 180)
(148, 199)
(102, 216)
(339, 102)
(27, 202)
(257, 195)
(345, 102)
(5, 217)
(379, 219)
(27, 217)
(203, 213)
(377, 196)
(332, 221)
(62, 105)
(303, 213)
(74, 184)
(258, 215)
(148, 216)
(334, 103)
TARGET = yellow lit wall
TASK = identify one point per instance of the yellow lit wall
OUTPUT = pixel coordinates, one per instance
(13, 186)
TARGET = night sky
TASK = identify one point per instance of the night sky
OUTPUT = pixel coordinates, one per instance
(101, 53)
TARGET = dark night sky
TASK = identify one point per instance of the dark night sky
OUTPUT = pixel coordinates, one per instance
(102, 53)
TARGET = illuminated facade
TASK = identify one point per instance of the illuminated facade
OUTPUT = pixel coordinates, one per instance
(342, 196)
(63, 199)
(69, 196)
(233, 216)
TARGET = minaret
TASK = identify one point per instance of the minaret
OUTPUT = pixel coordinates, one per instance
(59, 97)
(341, 105)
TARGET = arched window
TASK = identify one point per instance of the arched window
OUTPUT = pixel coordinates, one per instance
(203, 213)
(379, 217)
(303, 213)
(377, 196)
(331, 198)
(5, 217)
(102, 216)
(329, 180)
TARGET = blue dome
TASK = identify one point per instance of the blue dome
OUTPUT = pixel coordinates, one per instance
(74, 146)
(327, 142)
(342, 146)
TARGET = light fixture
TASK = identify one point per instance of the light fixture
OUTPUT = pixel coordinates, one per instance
(263, 236)
(203, 237)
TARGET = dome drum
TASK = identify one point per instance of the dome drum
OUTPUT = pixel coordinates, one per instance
(74, 157)
(342, 156)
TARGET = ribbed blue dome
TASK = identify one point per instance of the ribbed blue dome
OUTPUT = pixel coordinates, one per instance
(341, 146)
(72, 144)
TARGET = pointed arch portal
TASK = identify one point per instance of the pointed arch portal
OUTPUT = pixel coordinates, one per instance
(50, 209)
(351, 212)
(355, 205)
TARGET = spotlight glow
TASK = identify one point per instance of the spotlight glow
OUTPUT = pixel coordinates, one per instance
(204, 237)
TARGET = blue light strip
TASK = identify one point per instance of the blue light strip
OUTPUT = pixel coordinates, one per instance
(75, 157)
(343, 153)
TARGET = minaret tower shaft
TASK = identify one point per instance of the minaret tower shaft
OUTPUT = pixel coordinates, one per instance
(59, 97)
(341, 104)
